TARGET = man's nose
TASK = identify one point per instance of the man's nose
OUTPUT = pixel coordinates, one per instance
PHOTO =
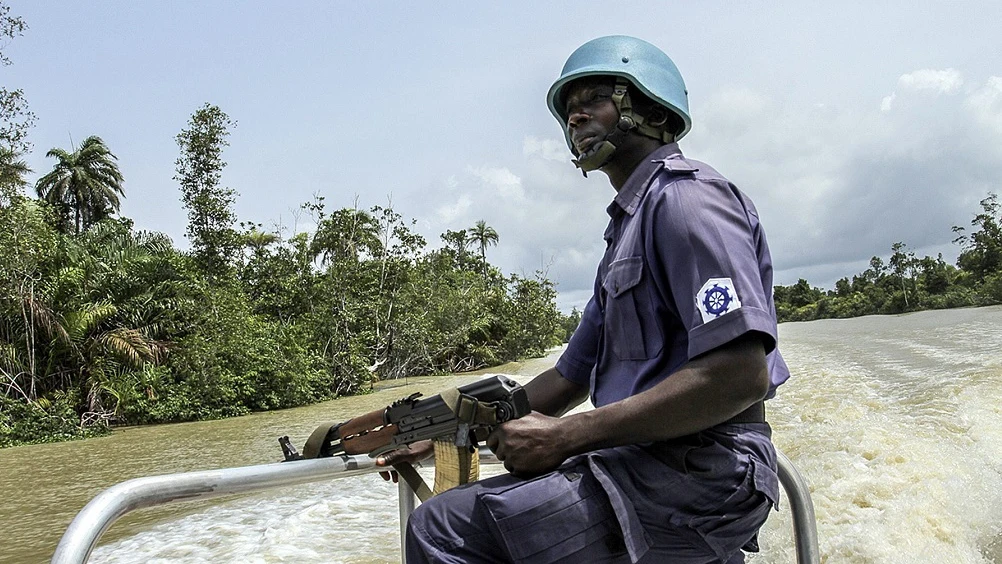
(576, 118)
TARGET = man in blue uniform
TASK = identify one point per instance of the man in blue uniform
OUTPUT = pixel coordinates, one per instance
(676, 348)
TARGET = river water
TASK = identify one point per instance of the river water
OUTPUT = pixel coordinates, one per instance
(894, 421)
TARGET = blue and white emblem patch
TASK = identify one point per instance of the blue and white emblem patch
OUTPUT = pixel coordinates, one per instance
(716, 297)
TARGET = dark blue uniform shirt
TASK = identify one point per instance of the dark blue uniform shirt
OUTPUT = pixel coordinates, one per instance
(686, 269)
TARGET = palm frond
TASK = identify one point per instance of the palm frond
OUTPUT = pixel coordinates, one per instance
(84, 320)
(44, 318)
(10, 360)
(130, 346)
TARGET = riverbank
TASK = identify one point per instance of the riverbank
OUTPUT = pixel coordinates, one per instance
(52, 428)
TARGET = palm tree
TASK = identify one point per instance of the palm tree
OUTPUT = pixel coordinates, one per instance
(86, 182)
(483, 235)
(258, 241)
(345, 235)
(117, 304)
(12, 172)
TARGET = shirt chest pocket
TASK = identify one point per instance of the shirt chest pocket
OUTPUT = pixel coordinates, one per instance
(631, 327)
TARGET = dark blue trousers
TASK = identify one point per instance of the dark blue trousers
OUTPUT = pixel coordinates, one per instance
(698, 499)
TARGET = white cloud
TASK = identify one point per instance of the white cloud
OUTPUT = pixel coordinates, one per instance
(549, 149)
(943, 81)
(836, 185)
(885, 104)
(741, 100)
(546, 214)
(986, 103)
(455, 209)
(507, 183)
(730, 112)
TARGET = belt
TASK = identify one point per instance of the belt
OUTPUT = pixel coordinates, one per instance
(673, 452)
(754, 414)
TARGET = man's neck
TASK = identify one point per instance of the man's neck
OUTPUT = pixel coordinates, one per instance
(627, 158)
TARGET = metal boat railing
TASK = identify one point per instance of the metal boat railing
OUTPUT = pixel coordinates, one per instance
(94, 519)
(798, 492)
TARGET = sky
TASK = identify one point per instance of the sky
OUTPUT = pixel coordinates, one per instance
(851, 125)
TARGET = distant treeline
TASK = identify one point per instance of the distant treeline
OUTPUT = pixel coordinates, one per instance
(102, 324)
(907, 283)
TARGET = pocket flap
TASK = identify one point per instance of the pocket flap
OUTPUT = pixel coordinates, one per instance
(766, 481)
(547, 518)
(623, 274)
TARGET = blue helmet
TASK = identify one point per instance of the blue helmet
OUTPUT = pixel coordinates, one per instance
(641, 64)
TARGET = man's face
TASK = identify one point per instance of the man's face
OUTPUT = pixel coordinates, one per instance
(591, 113)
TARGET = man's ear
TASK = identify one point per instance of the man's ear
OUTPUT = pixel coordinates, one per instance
(658, 116)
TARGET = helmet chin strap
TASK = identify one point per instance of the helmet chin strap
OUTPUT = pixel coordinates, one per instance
(600, 153)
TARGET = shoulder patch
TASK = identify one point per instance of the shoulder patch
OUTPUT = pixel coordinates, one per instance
(715, 298)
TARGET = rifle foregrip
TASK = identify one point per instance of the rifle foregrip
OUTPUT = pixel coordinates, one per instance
(361, 424)
(370, 441)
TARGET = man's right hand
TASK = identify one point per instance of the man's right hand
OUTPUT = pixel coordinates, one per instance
(415, 452)
(531, 445)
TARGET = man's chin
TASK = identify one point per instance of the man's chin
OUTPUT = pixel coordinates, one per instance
(583, 150)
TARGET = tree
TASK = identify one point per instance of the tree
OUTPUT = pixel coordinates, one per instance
(570, 323)
(10, 27)
(531, 317)
(345, 235)
(15, 119)
(937, 276)
(258, 240)
(483, 235)
(116, 294)
(85, 184)
(27, 247)
(199, 168)
(802, 294)
(278, 278)
(982, 249)
(457, 243)
(12, 173)
(901, 263)
(843, 288)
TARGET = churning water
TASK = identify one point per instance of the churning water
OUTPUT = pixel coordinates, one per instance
(894, 421)
(897, 424)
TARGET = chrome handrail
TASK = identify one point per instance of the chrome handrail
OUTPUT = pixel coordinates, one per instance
(82, 535)
(805, 528)
(87, 527)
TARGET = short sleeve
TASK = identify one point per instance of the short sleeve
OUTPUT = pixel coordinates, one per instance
(706, 238)
(579, 358)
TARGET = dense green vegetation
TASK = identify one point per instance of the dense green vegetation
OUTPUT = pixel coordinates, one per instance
(102, 323)
(907, 283)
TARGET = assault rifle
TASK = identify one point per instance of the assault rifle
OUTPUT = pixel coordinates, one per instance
(466, 414)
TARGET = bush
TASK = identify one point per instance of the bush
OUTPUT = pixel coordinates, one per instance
(45, 421)
(990, 291)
